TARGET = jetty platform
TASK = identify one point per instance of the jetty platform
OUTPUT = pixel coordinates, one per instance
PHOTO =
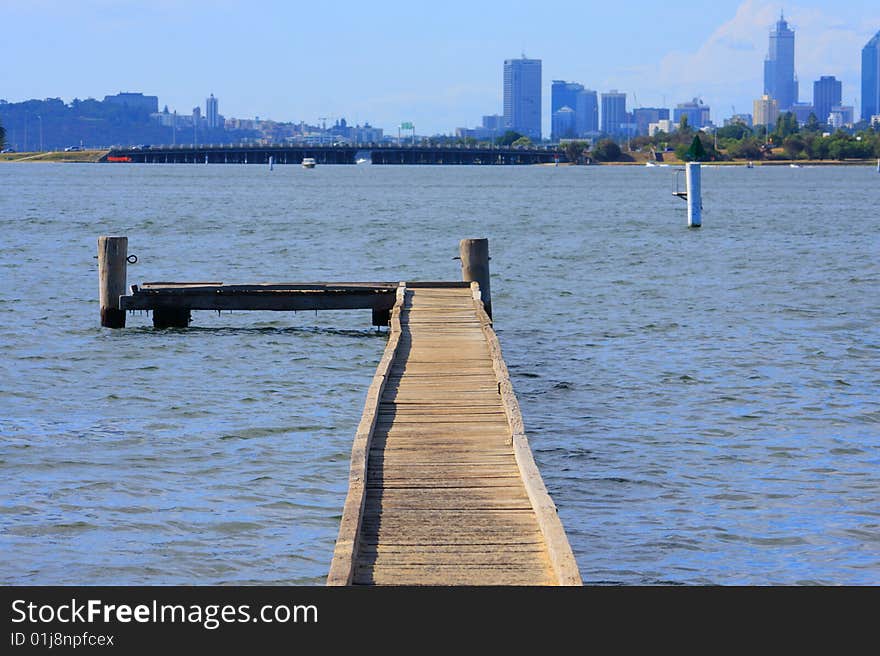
(443, 488)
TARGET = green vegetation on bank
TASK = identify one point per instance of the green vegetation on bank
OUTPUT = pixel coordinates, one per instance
(2, 137)
(54, 156)
(787, 141)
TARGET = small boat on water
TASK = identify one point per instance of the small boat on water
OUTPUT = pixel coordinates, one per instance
(308, 162)
(750, 165)
(795, 166)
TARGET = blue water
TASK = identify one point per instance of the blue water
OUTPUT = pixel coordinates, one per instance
(703, 404)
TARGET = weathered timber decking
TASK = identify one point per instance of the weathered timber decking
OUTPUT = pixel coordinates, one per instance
(267, 296)
(443, 489)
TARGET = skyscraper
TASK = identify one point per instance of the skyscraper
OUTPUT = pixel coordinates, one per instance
(584, 102)
(212, 113)
(871, 78)
(827, 92)
(563, 94)
(587, 112)
(698, 114)
(613, 112)
(563, 123)
(766, 111)
(522, 96)
(779, 79)
(644, 116)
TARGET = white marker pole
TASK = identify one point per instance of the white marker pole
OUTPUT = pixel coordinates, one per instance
(694, 194)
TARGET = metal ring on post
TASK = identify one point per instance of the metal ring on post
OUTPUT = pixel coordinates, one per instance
(132, 259)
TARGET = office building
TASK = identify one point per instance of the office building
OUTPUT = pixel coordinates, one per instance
(827, 92)
(562, 124)
(522, 96)
(587, 113)
(135, 102)
(696, 112)
(841, 116)
(663, 125)
(779, 78)
(584, 102)
(494, 122)
(742, 119)
(564, 94)
(871, 78)
(614, 116)
(211, 112)
(644, 116)
(766, 111)
(802, 112)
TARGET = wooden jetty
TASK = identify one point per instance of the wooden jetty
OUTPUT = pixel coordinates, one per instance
(443, 488)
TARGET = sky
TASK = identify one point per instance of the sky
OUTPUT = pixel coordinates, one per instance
(438, 65)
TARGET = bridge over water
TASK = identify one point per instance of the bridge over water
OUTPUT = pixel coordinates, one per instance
(377, 154)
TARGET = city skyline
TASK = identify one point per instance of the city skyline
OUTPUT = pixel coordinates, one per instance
(718, 57)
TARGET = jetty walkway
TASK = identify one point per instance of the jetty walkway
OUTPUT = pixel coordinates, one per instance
(443, 488)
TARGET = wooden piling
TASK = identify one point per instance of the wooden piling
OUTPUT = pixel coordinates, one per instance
(171, 317)
(475, 267)
(112, 276)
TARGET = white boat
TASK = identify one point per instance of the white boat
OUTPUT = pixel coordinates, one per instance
(308, 162)
(650, 164)
(795, 166)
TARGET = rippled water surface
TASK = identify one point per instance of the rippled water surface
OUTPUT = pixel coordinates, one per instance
(703, 404)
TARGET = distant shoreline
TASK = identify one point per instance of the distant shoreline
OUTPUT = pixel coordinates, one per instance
(95, 156)
(57, 156)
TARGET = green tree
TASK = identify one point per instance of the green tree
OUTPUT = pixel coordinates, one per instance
(696, 152)
(574, 150)
(508, 138)
(812, 124)
(683, 125)
(522, 141)
(606, 151)
(2, 137)
(794, 145)
(817, 147)
(736, 131)
(748, 148)
(786, 125)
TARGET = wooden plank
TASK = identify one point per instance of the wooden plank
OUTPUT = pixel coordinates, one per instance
(342, 566)
(194, 287)
(256, 300)
(422, 558)
(449, 576)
